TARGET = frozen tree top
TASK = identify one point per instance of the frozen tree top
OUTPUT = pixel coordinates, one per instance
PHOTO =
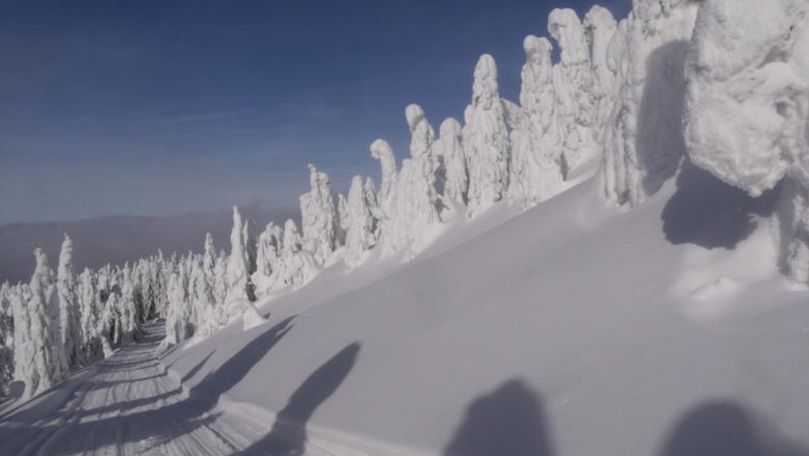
(422, 134)
(485, 90)
(450, 127)
(566, 28)
(537, 50)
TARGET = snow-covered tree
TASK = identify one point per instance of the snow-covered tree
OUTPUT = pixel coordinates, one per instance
(319, 217)
(90, 312)
(413, 207)
(342, 217)
(381, 150)
(69, 320)
(486, 139)
(643, 140)
(178, 314)
(599, 28)
(127, 311)
(220, 284)
(575, 107)
(296, 266)
(450, 151)
(204, 314)
(34, 360)
(6, 338)
(267, 257)
(535, 171)
(239, 285)
(360, 233)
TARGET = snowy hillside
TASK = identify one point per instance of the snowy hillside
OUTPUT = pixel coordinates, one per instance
(570, 329)
(616, 265)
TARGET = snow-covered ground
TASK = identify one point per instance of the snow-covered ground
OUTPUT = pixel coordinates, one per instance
(571, 329)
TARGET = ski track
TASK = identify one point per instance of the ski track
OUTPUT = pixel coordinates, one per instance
(129, 406)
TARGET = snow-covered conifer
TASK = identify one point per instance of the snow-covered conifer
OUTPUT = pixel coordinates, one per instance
(90, 310)
(128, 310)
(599, 28)
(34, 360)
(360, 234)
(381, 150)
(6, 338)
(643, 140)
(238, 278)
(486, 139)
(69, 320)
(575, 108)
(535, 171)
(319, 219)
(450, 151)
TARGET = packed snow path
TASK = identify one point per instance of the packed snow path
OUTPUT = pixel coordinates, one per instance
(126, 404)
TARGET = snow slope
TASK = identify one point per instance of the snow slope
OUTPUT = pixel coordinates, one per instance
(569, 330)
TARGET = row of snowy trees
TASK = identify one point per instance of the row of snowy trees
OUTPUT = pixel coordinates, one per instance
(60, 321)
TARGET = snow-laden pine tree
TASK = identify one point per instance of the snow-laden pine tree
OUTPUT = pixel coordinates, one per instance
(90, 312)
(535, 171)
(414, 204)
(202, 301)
(34, 360)
(268, 255)
(296, 266)
(25, 370)
(643, 141)
(127, 311)
(239, 285)
(381, 150)
(319, 217)
(360, 233)
(249, 240)
(372, 199)
(599, 28)
(220, 284)
(450, 151)
(342, 219)
(486, 139)
(575, 107)
(178, 315)
(6, 339)
(537, 98)
(69, 309)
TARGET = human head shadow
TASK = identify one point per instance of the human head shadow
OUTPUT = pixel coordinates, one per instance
(710, 213)
(724, 428)
(158, 424)
(288, 434)
(509, 420)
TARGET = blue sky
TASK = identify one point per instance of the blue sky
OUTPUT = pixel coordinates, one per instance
(164, 107)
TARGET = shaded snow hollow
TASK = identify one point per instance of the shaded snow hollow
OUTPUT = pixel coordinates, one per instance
(568, 330)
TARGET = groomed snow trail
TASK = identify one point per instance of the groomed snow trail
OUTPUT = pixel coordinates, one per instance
(124, 405)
